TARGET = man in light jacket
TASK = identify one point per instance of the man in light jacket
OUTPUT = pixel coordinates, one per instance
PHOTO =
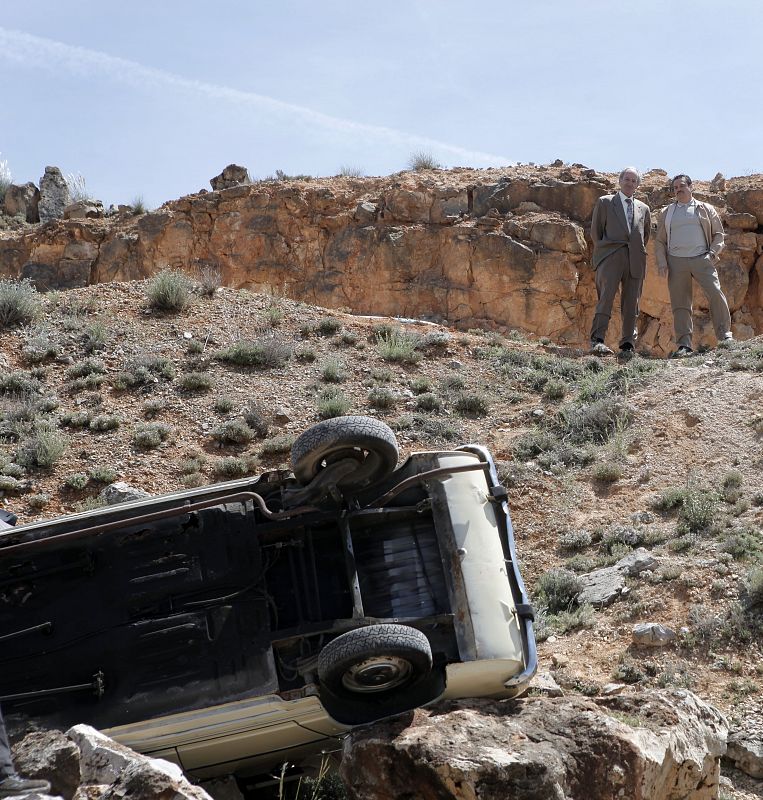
(688, 243)
(620, 229)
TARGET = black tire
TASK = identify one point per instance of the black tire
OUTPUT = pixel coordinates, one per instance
(369, 441)
(377, 660)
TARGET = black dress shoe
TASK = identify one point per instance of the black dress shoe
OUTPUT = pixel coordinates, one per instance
(626, 347)
(14, 785)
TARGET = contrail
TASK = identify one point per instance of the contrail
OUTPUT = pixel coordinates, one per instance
(25, 49)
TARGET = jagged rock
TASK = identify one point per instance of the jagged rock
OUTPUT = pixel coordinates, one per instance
(22, 200)
(603, 586)
(51, 756)
(121, 492)
(652, 634)
(125, 773)
(54, 195)
(544, 683)
(366, 212)
(718, 183)
(232, 175)
(741, 222)
(664, 745)
(747, 201)
(745, 749)
(84, 209)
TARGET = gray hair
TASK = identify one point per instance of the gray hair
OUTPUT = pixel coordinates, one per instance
(630, 169)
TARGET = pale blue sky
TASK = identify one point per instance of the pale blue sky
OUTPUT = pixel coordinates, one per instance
(154, 98)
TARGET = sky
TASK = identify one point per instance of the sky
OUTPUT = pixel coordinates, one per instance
(152, 98)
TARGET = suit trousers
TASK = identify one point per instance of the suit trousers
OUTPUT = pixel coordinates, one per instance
(701, 268)
(6, 765)
(612, 274)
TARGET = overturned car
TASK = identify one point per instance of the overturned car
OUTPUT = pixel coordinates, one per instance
(234, 626)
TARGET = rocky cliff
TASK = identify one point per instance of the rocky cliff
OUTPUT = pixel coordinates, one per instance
(495, 248)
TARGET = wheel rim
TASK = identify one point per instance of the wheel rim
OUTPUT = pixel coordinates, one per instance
(379, 674)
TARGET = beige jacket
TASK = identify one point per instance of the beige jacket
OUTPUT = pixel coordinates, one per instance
(709, 220)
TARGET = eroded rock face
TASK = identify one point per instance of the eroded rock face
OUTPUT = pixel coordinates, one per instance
(659, 746)
(22, 201)
(491, 249)
(54, 195)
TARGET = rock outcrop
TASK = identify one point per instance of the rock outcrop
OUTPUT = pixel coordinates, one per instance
(54, 195)
(664, 745)
(501, 249)
(22, 201)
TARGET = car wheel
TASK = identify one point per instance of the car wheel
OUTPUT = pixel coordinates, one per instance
(374, 660)
(368, 441)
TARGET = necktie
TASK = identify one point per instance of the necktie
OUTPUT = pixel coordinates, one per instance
(629, 212)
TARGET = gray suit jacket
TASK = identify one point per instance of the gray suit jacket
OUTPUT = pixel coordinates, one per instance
(609, 231)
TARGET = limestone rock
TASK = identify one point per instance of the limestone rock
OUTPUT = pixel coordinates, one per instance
(745, 749)
(54, 195)
(121, 492)
(652, 634)
(603, 586)
(51, 756)
(664, 745)
(84, 209)
(746, 201)
(22, 200)
(544, 683)
(232, 175)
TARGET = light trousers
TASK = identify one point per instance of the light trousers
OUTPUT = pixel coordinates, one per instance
(680, 274)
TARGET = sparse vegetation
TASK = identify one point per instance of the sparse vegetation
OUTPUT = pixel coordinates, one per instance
(169, 290)
(149, 435)
(19, 303)
(421, 160)
(259, 354)
(195, 382)
(398, 346)
(234, 431)
(333, 371)
(381, 398)
(332, 403)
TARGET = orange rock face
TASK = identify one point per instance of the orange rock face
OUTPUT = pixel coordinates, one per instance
(496, 249)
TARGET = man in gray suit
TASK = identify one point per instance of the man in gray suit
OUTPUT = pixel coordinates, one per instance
(620, 229)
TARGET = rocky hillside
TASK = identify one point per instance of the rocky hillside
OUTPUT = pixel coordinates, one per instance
(498, 249)
(601, 457)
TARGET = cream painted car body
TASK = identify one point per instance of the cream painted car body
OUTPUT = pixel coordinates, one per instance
(429, 547)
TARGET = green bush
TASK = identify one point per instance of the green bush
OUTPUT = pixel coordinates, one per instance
(332, 403)
(277, 444)
(259, 354)
(234, 431)
(608, 472)
(305, 354)
(595, 423)
(19, 303)
(381, 398)
(328, 326)
(453, 383)
(42, 448)
(471, 404)
(195, 382)
(105, 422)
(169, 290)
(38, 501)
(194, 347)
(18, 383)
(428, 402)
(558, 589)
(143, 370)
(229, 467)
(421, 385)
(149, 435)
(333, 371)
(103, 474)
(398, 347)
(223, 405)
(76, 481)
(75, 419)
(193, 480)
(257, 418)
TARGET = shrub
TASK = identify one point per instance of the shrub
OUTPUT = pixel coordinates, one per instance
(381, 375)
(142, 370)
(596, 422)
(169, 290)
(348, 171)
(6, 177)
(19, 303)
(194, 463)
(193, 480)
(305, 354)
(435, 340)
(76, 481)
(18, 383)
(273, 315)
(453, 383)
(75, 181)
(349, 338)
(229, 467)
(257, 418)
(381, 398)
(754, 587)
(428, 402)
(421, 160)
(333, 371)
(223, 405)
(398, 347)
(95, 337)
(328, 326)
(105, 422)
(149, 435)
(558, 589)
(103, 474)
(332, 403)
(210, 278)
(608, 472)
(259, 354)
(575, 540)
(195, 382)
(277, 444)
(39, 346)
(471, 404)
(138, 205)
(75, 419)
(194, 347)
(234, 431)
(421, 385)
(732, 484)
(38, 501)
(41, 448)
(555, 389)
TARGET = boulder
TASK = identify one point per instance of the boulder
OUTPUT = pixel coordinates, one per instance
(84, 209)
(663, 745)
(121, 492)
(22, 200)
(603, 586)
(54, 195)
(746, 201)
(232, 175)
(51, 756)
(745, 749)
(652, 634)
